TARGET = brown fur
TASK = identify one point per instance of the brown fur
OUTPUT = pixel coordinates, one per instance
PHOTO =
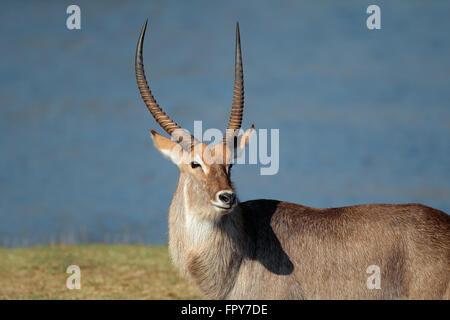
(276, 250)
(267, 249)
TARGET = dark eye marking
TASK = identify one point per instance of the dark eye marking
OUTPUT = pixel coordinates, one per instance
(195, 165)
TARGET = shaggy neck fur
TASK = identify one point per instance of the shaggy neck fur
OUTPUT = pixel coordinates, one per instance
(206, 247)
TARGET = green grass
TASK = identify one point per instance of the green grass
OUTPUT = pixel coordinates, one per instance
(107, 272)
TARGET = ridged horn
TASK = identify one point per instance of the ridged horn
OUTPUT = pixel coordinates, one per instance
(237, 107)
(160, 116)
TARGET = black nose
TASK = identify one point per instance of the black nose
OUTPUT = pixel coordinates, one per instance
(226, 197)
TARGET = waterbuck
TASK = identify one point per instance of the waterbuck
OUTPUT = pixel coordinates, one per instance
(270, 249)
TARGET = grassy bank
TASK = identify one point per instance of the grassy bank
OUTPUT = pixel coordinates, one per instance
(107, 272)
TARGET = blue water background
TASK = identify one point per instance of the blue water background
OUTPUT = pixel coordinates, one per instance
(364, 116)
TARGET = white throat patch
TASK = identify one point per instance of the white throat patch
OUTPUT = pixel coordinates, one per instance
(198, 229)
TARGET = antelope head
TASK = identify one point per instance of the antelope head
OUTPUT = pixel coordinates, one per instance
(204, 169)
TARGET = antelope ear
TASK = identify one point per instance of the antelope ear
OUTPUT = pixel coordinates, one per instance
(170, 149)
(242, 141)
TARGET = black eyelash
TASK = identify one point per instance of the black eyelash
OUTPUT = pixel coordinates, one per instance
(194, 165)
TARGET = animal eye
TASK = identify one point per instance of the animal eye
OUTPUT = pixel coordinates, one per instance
(195, 164)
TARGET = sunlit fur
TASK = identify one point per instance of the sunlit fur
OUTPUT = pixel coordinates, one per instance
(267, 249)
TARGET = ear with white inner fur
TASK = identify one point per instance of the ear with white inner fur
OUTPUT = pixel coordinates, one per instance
(242, 141)
(170, 149)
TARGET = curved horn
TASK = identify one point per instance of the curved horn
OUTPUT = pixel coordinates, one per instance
(237, 108)
(160, 116)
